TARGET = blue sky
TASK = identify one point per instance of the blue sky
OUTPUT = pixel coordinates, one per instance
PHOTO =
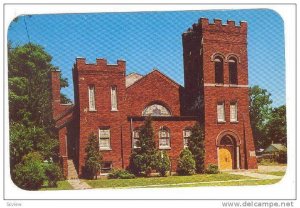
(148, 40)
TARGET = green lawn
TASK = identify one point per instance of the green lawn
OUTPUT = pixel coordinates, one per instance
(276, 173)
(170, 181)
(61, 185)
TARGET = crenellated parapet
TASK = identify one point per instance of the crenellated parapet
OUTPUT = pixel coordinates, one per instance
(100, 65)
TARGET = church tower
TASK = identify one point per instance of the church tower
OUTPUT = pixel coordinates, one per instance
(216, 90)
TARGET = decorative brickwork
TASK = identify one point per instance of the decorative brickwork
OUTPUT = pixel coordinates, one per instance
(183, 106)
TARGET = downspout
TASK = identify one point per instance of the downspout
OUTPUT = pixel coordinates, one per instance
(245, 146)
(122, 154)
(131, 134)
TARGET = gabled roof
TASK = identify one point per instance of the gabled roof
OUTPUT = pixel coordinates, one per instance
(159, 73)
(132, 78)
(275, 148)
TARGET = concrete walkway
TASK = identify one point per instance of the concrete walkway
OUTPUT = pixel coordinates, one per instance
(269, 168)
(78, 185)
(256, 175)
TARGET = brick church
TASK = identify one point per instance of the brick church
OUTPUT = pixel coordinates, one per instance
(113, 105)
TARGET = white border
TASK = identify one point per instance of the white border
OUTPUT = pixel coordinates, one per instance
(283, 190)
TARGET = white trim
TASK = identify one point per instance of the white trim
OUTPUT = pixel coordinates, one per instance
(114, 98)
(218, 154)
(225, 85)
(237, 157)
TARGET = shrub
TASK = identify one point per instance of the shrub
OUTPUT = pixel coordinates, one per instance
(30, 174)
(93, 157)
(186, 163)
(281, 157)
(163, 163)
(53, 174)
(196, 146)
(144, 159)
(136, 163)
(121, 174)
(212, 169)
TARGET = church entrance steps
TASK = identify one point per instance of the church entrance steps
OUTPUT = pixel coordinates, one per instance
(72, 173)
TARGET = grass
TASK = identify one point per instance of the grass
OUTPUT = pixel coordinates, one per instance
(276, 173)
(61, 185)
(170, 181)
(270, 163)
(233, 183)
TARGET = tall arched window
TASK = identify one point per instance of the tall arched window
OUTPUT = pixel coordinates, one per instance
(164, 138)
(232, 71)
(219, 78)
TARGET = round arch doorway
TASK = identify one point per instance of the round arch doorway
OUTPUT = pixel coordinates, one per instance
(228, 153)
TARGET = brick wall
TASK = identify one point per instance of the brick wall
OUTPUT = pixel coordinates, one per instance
(103, 76)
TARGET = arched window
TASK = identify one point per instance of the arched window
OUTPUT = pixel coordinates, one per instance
(219, 78)
(156, 110)
(232, 62)
(164, 138)
(136, 138)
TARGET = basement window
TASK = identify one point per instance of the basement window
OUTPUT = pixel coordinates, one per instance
(106, 167)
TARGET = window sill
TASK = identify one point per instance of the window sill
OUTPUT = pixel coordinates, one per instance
(165, 148)
(114, 110)
(233, 85)
(92, 110)
(234, 122)
(221, 122)
(219, 85)
(105, 149)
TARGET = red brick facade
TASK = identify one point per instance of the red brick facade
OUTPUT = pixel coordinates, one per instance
(196, 101)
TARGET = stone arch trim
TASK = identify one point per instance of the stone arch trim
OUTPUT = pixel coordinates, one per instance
(233, 55)
(165, 105)
(212, 58)
(230, 133)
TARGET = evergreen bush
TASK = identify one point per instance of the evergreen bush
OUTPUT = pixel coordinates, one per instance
(212, 169)
(163, 163)
(186, 163)
(121, 174)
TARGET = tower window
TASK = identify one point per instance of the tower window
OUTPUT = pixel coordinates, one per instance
(164, 138)
(233, 112)
(104, 138)
(219, 77)
(233, 71)
(92, 106)
(114, 104)
(221, 112)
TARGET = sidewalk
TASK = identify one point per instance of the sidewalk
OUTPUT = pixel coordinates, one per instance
(256, 175)
(78, 185)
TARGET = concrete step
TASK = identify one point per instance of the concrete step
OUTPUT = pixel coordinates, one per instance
(72, 173)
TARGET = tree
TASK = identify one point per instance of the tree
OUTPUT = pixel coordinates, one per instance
(196, 146)
(31, 123)
(144, 159)
(276, 126)
(93, 157)
(163, 163)
(260, 109)
(186, 163)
